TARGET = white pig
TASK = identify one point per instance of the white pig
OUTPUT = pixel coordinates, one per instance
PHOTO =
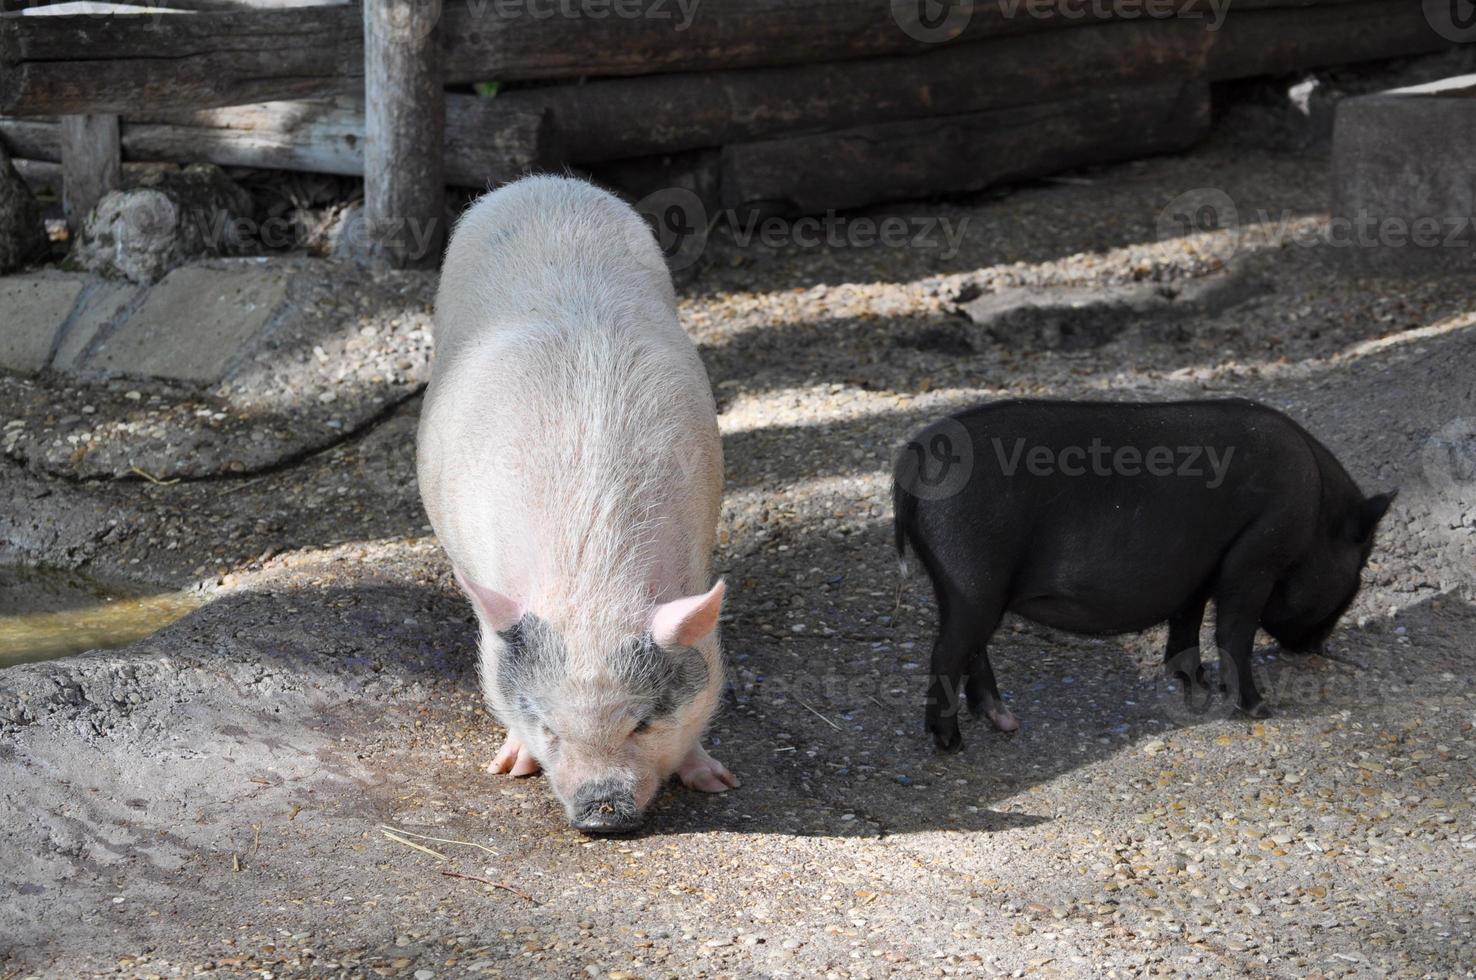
(570, 462)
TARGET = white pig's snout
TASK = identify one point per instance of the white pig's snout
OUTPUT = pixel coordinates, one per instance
(605, 806)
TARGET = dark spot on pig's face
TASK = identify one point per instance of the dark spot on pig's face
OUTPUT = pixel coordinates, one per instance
(530, 657)
(662, 681)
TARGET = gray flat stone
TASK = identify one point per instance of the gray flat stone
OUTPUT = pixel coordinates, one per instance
(193, 323)
(248, 362)
(1402, 190)
(102, 303)
(33, 308)
(1083, 317)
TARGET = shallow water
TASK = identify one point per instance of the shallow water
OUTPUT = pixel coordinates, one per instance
(46, 613)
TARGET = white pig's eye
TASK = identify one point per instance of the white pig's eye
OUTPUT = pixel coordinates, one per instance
(642, 726)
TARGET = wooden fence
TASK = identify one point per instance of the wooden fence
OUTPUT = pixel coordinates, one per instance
(804, 104)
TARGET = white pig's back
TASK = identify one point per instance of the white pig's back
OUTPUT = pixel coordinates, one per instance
(546, 250)
(569, 448)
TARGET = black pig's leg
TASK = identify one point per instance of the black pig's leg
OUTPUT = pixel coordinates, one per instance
(1181, 657)
(959, 637)
(950, 653)
(983, 692)
(1237, 613)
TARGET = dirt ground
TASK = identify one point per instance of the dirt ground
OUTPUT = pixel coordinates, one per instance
(214, 799)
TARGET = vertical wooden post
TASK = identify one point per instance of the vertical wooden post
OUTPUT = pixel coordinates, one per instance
(404, 132)
(92, 164)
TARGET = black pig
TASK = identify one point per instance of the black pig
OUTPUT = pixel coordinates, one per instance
(1106, 518)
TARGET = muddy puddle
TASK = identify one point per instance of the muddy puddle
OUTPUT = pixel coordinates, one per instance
(46, 613)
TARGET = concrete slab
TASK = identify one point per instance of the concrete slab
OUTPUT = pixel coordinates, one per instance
(33, 308)
(193, 323)
(248, 362)
(1404, 194)
(102, 304)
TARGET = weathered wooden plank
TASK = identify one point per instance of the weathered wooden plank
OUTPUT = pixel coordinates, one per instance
(45, 177)
(404, 133)
(128, 62)
(487, 141)
(627, 117)
(49, 7)
(92, 164)
(1272, 42)
(124, 63)
(656, 36)
(954, 154)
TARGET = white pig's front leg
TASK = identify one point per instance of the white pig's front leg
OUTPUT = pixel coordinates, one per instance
(701, 771)
(515, 758)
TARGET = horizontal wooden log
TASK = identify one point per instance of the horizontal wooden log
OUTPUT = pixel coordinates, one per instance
(51, 6)
(628, 117)
(956, 154)
(691, 35)
(1274, 42)
(485, 143)
(125, 63)
(45, 177)
(130, 62)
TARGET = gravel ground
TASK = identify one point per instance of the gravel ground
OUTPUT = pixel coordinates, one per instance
(212, 799)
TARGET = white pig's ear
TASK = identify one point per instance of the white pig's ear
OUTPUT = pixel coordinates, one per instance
(500, 611)
(683, 622)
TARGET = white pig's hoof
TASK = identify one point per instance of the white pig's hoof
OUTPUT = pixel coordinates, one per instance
(1004, 719)
(701, 771)
(514, 758)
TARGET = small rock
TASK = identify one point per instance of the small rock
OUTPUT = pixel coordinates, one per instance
(169, 218)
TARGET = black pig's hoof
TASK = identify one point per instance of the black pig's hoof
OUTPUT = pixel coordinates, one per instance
(1257, 711)
(946, 735)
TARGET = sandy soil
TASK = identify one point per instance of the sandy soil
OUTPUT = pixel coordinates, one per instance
(213, 799)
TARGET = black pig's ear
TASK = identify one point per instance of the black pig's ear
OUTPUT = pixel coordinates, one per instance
(1370, 512)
